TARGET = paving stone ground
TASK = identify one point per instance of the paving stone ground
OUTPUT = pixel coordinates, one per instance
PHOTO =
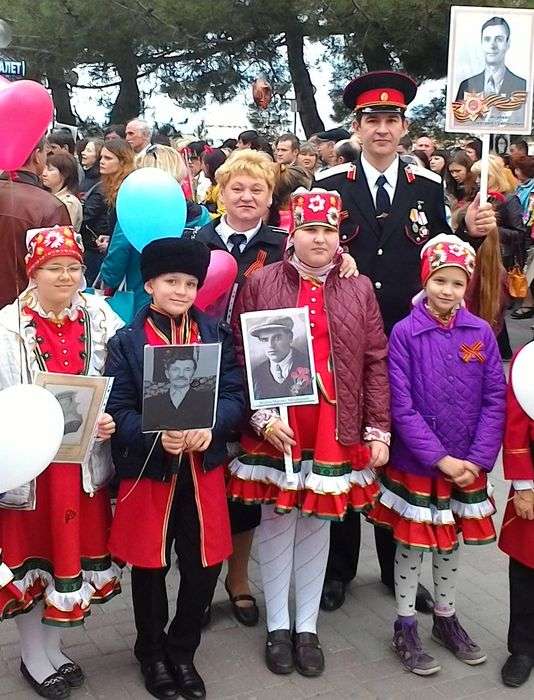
(355, 639)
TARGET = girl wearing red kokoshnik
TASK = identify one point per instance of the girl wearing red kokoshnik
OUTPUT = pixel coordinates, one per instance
(447, 409)
(55, 542)
(335, 445)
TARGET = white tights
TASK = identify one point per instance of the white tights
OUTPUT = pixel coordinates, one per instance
(40, 645)
(407, 572)
(292, 543)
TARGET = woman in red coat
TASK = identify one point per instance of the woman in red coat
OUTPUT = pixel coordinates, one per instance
(517, 534)
(335, 444)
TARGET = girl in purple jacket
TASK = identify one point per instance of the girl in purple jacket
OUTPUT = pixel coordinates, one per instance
(447, 405)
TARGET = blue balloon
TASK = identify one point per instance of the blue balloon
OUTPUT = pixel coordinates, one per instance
(150, 205)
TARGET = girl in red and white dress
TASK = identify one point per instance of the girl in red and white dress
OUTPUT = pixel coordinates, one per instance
(335, 444)
(53, 531)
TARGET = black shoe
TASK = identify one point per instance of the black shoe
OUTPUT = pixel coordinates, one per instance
(158, 680)
(279, 652)
(309, 657)
(190, 684)
(423, 601)
(523, 312)
(247, 615)
(516, 670)
(72, 673)
(54, 687)
(333, 595)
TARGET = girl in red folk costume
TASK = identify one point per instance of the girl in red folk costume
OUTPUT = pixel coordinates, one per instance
(335, 445)
(517, 533)
(164, 500)
(447, 410)
(54, 531)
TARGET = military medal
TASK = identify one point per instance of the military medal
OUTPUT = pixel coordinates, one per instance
(414, 215)
(415, 228)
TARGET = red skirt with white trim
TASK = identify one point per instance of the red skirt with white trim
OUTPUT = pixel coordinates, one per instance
(58, 552)
(428, 513)
(331, 478)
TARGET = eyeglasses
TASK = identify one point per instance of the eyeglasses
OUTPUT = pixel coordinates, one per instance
(71, 270)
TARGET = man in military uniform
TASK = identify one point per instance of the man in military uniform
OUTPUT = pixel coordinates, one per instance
(390, 210)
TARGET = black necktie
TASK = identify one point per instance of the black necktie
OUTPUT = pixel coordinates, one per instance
(383, 204)
(237, 240)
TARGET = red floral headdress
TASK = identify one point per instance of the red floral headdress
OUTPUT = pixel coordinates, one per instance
(446, 251)
(47, 243)
(315, 207)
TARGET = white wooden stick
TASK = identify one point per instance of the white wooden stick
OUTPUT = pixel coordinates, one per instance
(484, 166)
(291, 477)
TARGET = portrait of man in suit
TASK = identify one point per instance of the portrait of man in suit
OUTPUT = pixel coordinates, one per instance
(181, 406)
(283, 370)
(496, 78)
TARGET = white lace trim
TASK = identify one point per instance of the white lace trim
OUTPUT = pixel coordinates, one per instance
(92, 581)
(434, 515)
(306, 479)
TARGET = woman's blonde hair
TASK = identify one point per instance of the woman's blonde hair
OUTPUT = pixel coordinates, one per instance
(256, 164)
(500, 179)
(165, 158)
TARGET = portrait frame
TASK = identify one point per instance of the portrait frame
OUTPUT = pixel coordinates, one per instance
(468, 108)
(197, 409)
(300, 385)
(83, 400)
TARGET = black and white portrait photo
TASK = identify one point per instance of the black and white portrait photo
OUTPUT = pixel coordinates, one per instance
(490, 78)
(279, 358)
(180, 387)
(82, 400)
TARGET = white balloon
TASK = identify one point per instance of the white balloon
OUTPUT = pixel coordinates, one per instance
(31, 431)
(523, 379)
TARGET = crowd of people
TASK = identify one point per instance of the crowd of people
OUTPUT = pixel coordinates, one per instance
(405, 274)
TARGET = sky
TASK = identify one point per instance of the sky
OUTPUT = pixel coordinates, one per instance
(227, 120)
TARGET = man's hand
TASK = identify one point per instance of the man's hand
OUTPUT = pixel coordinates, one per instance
(106, 427)
(173, 441)
(524, 504)
(197, 440)
(280, 435)
(379, 454)
(348, 266)
(480, 219)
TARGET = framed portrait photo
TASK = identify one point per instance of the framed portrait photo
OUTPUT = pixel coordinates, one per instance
(180, 387)
(490, 70)
(83, 400)
(279, 358)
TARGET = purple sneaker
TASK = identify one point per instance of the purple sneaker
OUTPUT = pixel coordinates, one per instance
(407, 645)
(448, 632)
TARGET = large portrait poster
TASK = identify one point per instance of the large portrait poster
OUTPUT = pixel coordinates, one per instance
(279, 358)
(180, 387)
(490, 72)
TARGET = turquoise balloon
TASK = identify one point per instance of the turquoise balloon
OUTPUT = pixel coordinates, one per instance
(150, 205)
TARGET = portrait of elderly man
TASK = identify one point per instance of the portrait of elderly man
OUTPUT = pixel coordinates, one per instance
(280, 373)
(496, 78)
(181, 407)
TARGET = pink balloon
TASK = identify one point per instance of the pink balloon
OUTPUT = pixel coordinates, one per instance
(222, 274)
(26, 110)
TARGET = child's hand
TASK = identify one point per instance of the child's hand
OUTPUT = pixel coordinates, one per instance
(197, 440)
(451, 467)
(280, 435)
(173, 441)
(379, 454)
(465, 480)
(106, 427)
(348, 266)
(472, 467)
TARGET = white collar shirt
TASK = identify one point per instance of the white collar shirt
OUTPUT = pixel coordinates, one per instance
(493, 80)
(372, 174)
(178, 395)
(224, 231)
(284, 365)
